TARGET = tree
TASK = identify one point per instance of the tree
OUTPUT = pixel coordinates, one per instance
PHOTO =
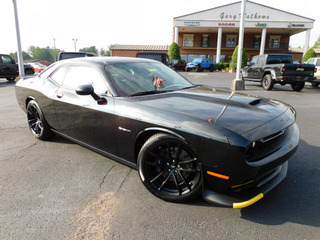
(25, 56)
(91, 49)
(174, 52)
(234, 59)
(39, 53)
(309, 54)
(317, 43)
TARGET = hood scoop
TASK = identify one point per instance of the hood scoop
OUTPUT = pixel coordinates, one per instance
(255, 102)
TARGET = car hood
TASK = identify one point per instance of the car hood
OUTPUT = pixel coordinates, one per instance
(237, 112)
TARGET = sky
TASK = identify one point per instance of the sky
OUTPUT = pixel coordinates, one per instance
(102, 23)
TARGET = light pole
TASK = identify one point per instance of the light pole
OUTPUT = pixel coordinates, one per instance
(238, 83)
(75, 43)
(19, 53)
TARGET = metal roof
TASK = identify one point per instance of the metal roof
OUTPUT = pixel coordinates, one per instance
(140, 47)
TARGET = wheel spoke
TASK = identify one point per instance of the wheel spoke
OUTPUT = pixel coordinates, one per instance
(189, 170)
(176, 183)
(188, 161)
(159, 175)
(184, 181)
(164, 182)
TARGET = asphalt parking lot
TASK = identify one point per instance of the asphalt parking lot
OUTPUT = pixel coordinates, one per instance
(60, 190)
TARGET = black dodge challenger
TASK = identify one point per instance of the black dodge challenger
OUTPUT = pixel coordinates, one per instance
(184, 139)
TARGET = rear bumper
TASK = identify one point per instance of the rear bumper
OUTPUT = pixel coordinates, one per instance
(293, 79)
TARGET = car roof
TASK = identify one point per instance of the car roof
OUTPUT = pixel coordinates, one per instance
(106, 60)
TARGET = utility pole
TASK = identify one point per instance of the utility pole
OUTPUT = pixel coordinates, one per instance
(54, 49)
(238, 83)
(19, 52)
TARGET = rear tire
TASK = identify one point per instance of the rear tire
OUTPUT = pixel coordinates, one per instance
(297, 86)
(267, 82)
(37, 122)
(211, 68)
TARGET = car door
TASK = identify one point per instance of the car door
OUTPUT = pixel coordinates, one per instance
(81, 117)
(252, 68)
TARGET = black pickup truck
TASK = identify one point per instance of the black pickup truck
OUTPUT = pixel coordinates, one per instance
(270, 69)
(10, 70)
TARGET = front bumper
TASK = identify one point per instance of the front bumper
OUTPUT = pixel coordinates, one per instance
(266, 173)
(248, 199)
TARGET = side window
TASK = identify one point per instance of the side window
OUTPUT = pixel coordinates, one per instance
(261, 60)
(318, 63)
(80, 75)
(7, 59)
(254, 60)
(59, 75)
(310, 61)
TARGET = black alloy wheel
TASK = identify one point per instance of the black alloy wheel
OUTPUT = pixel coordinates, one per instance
(37, 123)
(297, 86)
(267, 82)
(169, 169)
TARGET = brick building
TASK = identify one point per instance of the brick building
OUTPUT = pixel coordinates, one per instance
(214, 33)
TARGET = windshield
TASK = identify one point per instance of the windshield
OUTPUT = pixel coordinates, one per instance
(139, 78)
(197, 60)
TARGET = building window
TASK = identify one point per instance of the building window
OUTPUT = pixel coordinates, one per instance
(205, 41)
(188, 40)
(231, 41)
(274, 42)
(257, 41)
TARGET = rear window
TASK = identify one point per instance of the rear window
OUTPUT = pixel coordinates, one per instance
(276, 59)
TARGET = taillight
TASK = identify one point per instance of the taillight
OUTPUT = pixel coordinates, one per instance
(282, 69)
(315, 70)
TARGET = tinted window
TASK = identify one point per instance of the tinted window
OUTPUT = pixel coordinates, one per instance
(6, 59)
(276, 59)
(149, 56)
(80, 75)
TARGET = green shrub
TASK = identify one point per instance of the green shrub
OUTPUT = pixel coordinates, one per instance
(309, 54)
(234, 59)
(174, 52)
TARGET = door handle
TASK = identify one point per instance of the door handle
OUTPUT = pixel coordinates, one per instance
(59, 95)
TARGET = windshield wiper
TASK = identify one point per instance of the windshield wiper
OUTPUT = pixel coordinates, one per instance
(193, 86)
(147, 93)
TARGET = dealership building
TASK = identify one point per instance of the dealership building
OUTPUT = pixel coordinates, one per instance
(214, 33)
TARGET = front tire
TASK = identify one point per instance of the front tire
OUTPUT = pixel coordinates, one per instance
(297, 86)
(199, 69)
(37, 122)
(169, 168)
(315, 84)
(267, 82)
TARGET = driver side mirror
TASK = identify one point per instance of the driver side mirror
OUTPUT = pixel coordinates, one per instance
(83, 90)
